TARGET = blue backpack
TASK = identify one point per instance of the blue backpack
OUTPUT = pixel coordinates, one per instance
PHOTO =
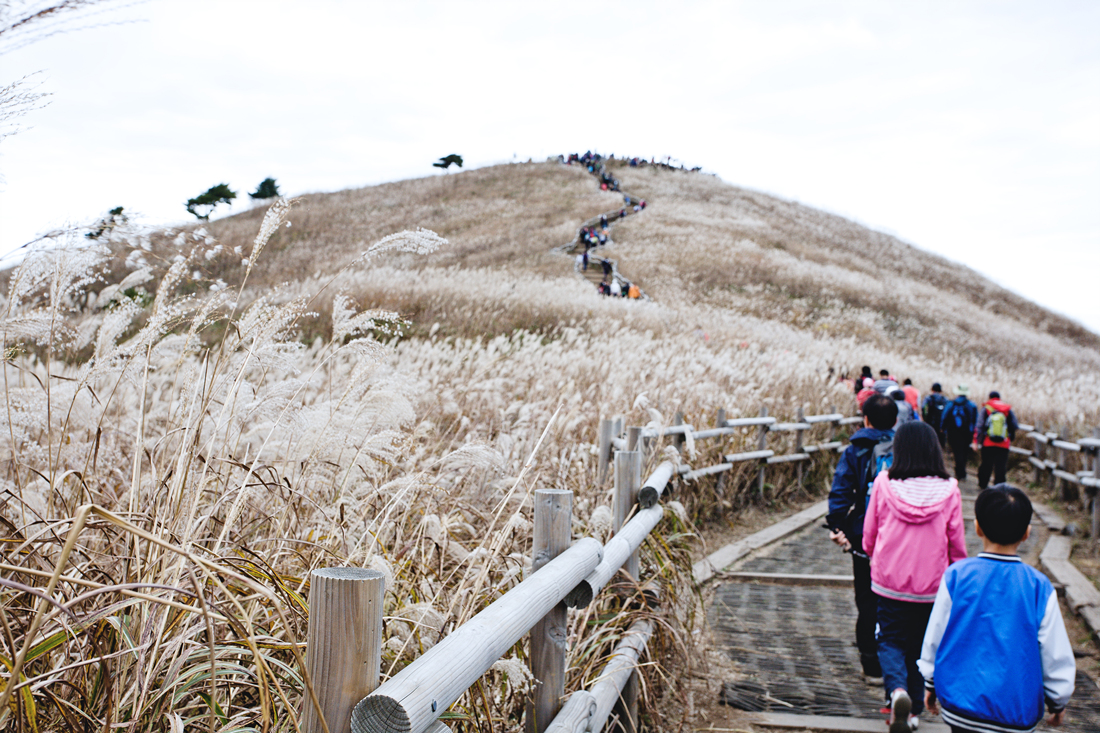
(881, 459)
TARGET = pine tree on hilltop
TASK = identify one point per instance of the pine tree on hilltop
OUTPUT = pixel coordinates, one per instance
(267, 189)
(446, 161)
(203, 204)
(114, 218)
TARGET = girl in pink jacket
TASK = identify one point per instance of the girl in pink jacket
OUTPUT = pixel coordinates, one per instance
(912, 531)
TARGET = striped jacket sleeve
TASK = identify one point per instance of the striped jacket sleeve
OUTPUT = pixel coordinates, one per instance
(1059, 669)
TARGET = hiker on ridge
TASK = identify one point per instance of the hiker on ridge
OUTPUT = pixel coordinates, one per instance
(960, 418)
(994, 434)
(606, 264)
(870, 450)
(932, 411)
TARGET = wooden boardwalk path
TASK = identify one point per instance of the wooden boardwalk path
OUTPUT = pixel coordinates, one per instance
(785, 614)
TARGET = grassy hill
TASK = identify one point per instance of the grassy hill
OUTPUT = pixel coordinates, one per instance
(742, 266)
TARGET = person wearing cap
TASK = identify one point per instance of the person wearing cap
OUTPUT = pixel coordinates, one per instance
(994, 433)
(960, 418)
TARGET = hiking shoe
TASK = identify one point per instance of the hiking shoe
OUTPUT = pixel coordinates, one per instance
(900, 705)
(914, 722)
(872, 681)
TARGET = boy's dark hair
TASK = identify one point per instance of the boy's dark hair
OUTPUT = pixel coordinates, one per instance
(1003, 511)
(884, 372)
(897, 395)
(881, 411)
(908, 381)
(917, 452)
(994, 395)
(936, 387)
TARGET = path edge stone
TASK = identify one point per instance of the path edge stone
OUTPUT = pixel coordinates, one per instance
(713, 563)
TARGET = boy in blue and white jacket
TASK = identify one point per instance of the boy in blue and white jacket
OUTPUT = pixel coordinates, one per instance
(996, 648)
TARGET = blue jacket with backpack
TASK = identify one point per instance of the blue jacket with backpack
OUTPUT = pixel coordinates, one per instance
(960, 417)
(848, 496)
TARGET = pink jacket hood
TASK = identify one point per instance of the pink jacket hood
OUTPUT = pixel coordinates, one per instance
(913, 530)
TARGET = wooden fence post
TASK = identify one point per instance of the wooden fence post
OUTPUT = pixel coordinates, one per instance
(628, 481)
(678, 439)
(344, 643)
(799, 415)
(549, 637)
(762, 444)
(606, 428)
(1095, 489)
(628, 473)
(832, 424)
(635, 441)
(720, 489)
(1038, 449)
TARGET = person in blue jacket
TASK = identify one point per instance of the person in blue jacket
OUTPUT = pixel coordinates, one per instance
(847, 506)
(996, 649)
(960, 417)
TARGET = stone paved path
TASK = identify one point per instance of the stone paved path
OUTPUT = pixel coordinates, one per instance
(794, 644)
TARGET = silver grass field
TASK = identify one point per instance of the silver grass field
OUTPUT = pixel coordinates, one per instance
(195, 419)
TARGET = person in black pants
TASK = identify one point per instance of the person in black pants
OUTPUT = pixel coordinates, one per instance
(995, 432)
(847, 504)
(960, 418)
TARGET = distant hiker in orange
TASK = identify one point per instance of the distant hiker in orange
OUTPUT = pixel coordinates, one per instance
(994, 434)
(912, 395)
(633, 292)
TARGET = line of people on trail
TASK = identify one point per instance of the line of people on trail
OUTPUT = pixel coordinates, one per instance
(980, 639)
(958, 423)
(594, 162)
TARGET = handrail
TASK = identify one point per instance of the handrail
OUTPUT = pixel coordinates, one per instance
(415, 697)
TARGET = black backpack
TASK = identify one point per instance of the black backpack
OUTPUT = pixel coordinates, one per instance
(934, 410)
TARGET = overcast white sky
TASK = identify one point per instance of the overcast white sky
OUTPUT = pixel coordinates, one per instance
(969, 129)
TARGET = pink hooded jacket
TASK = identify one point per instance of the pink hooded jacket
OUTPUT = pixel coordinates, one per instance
(913, 530)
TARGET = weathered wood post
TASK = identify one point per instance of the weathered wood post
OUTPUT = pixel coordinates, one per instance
(628, 480)
(762, 444)
(1038, 449)
(720, 489)
(800, 414)
(832, 424)
(549, 644)
(678, 439)
(606, 428)
(1069, 491)
(344, 644)
(1095, 489)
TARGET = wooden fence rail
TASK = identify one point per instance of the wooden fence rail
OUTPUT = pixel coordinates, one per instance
(345, 621)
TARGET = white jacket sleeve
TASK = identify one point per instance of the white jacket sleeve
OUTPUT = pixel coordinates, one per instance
(1059, 669)
(937, 623)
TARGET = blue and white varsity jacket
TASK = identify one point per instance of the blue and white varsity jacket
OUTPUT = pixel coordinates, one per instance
(996, 648)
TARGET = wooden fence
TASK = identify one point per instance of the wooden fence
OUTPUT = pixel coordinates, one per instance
(345, 618)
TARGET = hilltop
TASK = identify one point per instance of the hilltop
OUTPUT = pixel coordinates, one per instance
(747, 269)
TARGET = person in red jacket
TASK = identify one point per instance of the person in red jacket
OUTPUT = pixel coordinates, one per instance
(993, 435)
